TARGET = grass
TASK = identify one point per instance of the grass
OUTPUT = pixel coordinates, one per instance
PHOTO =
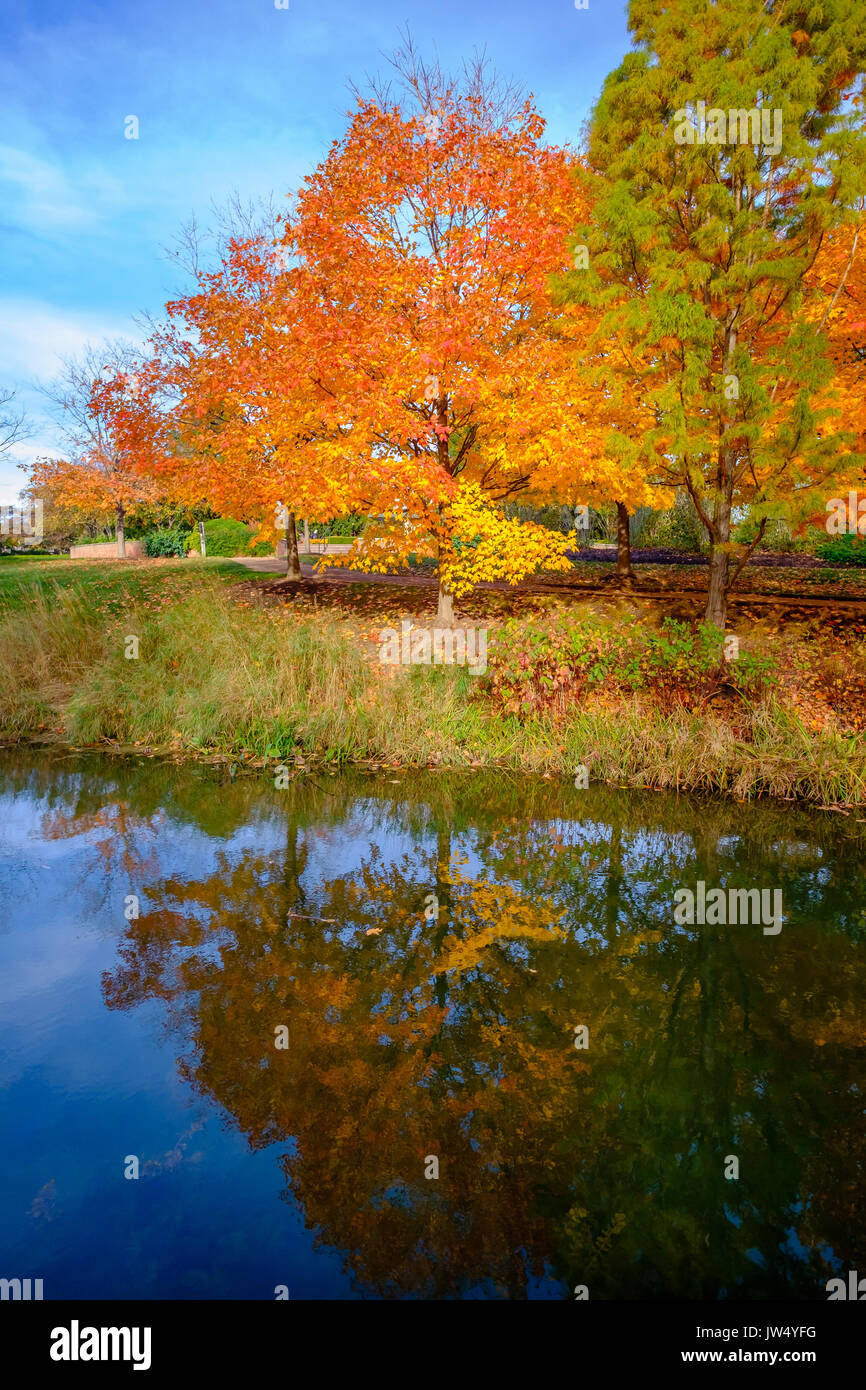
(14, 562)
(107, 584)
(218, 673)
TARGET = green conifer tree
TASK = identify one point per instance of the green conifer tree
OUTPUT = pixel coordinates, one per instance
(725, 146)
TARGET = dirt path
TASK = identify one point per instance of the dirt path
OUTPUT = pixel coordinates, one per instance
(681, 596)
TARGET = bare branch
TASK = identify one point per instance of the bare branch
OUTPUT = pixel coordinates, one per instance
(13, 422)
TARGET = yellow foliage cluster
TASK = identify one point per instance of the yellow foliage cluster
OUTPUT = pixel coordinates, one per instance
(485, 545)
(472, 539)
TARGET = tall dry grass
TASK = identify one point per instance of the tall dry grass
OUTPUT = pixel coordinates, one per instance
(211, 674)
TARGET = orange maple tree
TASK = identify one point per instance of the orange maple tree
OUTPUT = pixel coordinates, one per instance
(425, 243)
(230, 407)
(397, 349)
(96, 393)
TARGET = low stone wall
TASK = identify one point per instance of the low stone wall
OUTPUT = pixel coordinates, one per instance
(317, 547)
(134, 551)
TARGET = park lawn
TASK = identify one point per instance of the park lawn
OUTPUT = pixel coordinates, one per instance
(17, 562)
(107, 584)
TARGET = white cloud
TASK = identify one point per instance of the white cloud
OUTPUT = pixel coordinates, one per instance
(39, 196)
(35, 337)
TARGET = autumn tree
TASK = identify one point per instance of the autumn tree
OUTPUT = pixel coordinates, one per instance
(426, 241)
(614, 415)
(64, 523)
(836, 299)
(230, 407)
(728, 150)
(97, 472)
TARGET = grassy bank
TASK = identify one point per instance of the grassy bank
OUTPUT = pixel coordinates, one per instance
(219, 673)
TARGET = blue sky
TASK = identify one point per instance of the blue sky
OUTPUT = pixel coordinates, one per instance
(229, 95)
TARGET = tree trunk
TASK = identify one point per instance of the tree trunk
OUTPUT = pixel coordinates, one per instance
(717, 592)
(293, 564)
(717, 588)
(624, 571)
(613, 885)
(717, 595)
(445, 609)
(119, 532)
(443, 922)
(306, 537)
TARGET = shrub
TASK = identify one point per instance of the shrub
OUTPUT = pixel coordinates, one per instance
(26, 552)
(842, 550)
(533, 667)
(777, 534)
(680, 528)
(224, 537)
(158, 543)
(778, 537)
(684, 663)
(340, 528)
(604, 525)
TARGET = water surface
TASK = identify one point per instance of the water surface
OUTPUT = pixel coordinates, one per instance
(430, 942)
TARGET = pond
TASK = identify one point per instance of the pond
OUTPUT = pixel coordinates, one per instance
(423, 1035)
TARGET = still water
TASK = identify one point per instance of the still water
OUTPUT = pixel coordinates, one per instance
(332, 992)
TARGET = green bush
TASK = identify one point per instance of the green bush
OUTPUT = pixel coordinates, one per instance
(28, 553)
(778, 537)
(425, 564)
(158, 543)
(225, 537)
(777, 534)
(341, 528)
(604, 526)
(842, 550)
(680, 528)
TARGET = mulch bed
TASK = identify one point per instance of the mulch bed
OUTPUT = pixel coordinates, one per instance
(661, 555)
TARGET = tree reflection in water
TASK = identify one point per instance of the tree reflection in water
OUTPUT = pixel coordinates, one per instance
(444, 1026)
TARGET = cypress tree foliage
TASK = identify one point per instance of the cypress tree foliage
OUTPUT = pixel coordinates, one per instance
(724, 148)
